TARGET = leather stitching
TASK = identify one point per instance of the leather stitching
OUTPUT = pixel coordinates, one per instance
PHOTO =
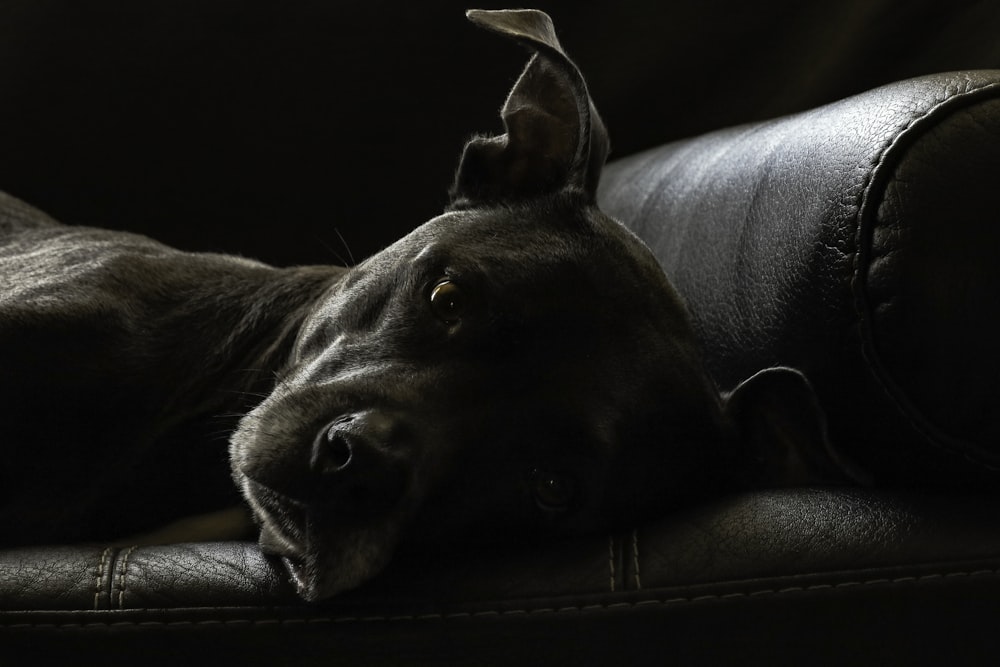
(99, 578)
(635, 559)
(611, 560)
(653, 602)
(122, 577)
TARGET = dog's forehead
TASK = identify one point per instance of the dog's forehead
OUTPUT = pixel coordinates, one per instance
(523, 249)
(544, 272)
(567, 229)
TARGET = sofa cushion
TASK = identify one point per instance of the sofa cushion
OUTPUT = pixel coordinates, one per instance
(855, 242)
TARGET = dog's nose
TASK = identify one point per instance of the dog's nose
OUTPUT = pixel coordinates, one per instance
(359, 463)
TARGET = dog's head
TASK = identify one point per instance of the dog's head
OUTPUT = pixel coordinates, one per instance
(517, 366)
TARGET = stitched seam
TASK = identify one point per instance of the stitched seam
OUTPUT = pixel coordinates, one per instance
(611, 561)
(635, 559)
(652, 602)
(99, 578)
(122, 575)
(862, 305)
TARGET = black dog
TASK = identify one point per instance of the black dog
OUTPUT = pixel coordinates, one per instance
(517, 366)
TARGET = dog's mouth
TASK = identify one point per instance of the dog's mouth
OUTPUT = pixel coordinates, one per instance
(331, 498)
(323, 553)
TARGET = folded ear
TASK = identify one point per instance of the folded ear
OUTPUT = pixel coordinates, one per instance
(554, 139)
(783, 432)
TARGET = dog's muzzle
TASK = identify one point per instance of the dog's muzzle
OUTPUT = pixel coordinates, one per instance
(333, 509)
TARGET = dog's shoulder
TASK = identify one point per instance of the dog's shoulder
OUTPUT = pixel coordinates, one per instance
(69, 272)
(17, 216)
(105, 308)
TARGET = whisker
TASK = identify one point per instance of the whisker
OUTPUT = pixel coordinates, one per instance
(346, 246)
(229, 415)
(341, 260)
(251, 394)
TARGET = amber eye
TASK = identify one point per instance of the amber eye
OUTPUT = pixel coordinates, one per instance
(447, 302)
(553, 492)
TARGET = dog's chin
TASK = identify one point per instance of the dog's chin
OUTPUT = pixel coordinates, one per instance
(324, 556)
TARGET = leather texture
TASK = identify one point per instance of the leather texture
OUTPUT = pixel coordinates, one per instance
(698, 584)
(856, 243)
(733, 546)
(801, 241)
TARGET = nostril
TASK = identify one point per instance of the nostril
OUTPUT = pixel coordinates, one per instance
(338, 450)
(332, 450)
(357, 464)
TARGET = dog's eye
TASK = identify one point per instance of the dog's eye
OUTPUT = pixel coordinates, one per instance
(553, 492)
(447, 301)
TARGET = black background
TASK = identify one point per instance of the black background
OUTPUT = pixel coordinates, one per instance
(274, 128)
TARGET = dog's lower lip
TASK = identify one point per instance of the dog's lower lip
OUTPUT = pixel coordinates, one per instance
(273, 541)
(267, 494)
(294, 568)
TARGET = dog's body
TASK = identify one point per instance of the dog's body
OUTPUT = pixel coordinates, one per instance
(519, 364)
(125, 366)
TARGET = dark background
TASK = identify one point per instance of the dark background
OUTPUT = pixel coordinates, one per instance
(273, 128)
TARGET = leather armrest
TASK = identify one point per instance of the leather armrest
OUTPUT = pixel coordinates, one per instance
(733, 544)
(856, 242)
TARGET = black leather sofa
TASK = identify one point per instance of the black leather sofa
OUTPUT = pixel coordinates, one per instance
(856, 242)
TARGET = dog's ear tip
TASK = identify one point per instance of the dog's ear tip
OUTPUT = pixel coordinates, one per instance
(773, 380)
(532, 24)
(505, 16)
(478, 15)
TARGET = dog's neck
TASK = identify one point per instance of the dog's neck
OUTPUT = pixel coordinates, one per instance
(265, 319)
